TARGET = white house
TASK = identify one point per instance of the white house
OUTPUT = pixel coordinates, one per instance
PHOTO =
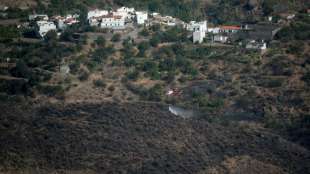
(141, 17)
(112, 22)
(214, 30)
(44, 26)
(198, 36)
(199, 30)
(96, 13)
(164, 20)
(197, 26)
(126, 9)
(256, 45)
(220, 38)
(94, 21)
(63, 22)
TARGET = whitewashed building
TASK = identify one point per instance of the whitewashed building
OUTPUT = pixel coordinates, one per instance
(199, 30)
(220, 38)
(64, 22)
(198, 36)
(197, 26)
(94, 21)
(44, 26)
(96, 13)
(112, 22)
(256, 45)
(126, 9)
(40, 17)
(141, 17)
(214, 30)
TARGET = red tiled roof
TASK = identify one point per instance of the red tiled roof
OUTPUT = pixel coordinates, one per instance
(108, 16)
(226, 27)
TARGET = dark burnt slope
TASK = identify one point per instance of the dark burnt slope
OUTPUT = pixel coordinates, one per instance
(132, 138)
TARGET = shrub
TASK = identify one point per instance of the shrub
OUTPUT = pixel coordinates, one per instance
(51, 90)
(145, 32)
(155, 40)
(9, 32)
(116, 37)
(111, 88)
(100, 41)
(99, 83)
(306, 78)
(143, 46)
(155, 93)
(84, 75)
(130, 62)
(132, 75)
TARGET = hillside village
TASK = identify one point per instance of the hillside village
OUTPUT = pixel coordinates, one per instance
(156, 86)
(247, 35)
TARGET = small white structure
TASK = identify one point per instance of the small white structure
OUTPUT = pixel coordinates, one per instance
(33, 17)
(126, 9)
(44, 26)
(3, 8)
(220, 38)
(214, 30)
(63, 22)
(164, 20)
(199, 30)
(290, 17)
(94, 21)
(198, 36)
(141, 17)
(96, 13)
(256, 45)
(197, 26)
(112, 22)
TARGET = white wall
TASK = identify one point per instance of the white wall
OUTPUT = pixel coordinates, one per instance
(141, 17)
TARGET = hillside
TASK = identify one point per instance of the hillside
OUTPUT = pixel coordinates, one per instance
(136, 138)
(217, 11)
(92, 99)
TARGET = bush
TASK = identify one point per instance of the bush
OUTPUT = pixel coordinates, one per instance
(84, 75)
(111, 88)
(155, 41)
(51, 90)
(100, 41)
(155, 93)
(306, 78)
(116, 37)
(9, 32)
(132, 75)
(272, 83)
(143, 46)
(99, 83)
(130, 62)
(145, 32)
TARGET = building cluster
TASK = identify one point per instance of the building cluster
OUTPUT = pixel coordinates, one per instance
(251, 36)
(116, 19)
(44, 24)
